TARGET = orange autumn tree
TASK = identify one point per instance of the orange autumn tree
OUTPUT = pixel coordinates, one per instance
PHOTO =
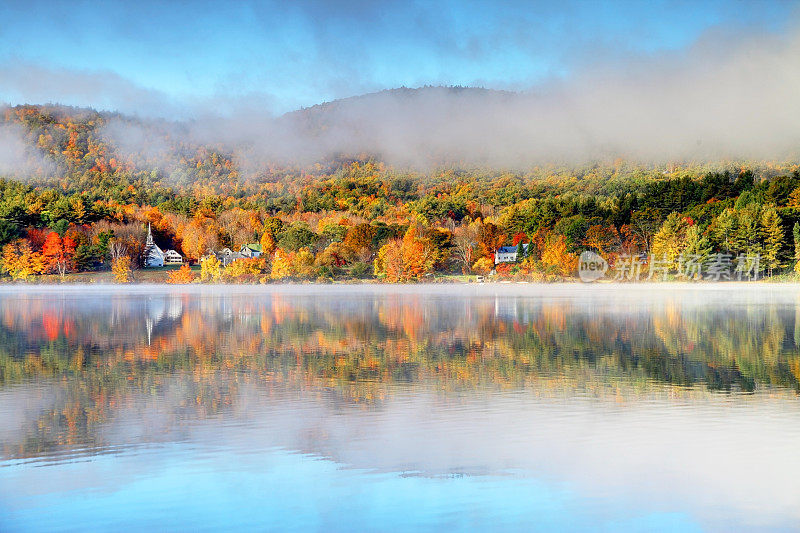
(268, 243)
(181, 276)
(359, 240)
(200, 236)
(490, 238)
(556, 254)
(418, 253)
(406, 259)
(603, 238)
(58, 253)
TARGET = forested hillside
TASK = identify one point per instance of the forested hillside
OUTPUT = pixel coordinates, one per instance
(83, 186)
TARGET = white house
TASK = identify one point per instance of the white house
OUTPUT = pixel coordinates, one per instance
(152, 256)
(508, 254)
(171, 257)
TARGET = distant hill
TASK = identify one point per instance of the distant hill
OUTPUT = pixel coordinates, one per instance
(421, 129)
(404, 97)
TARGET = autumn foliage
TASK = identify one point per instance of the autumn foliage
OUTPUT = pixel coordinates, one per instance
(355, 216)
(181, 276)
(21, 262)
(58, 253)
(121, 268)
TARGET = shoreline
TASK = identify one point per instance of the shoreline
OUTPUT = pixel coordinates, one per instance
(158, 278)
(404, 287)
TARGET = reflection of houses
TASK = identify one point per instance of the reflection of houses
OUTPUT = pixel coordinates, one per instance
(161, 309)
(153, 256)
(515, 309)
(508, 254)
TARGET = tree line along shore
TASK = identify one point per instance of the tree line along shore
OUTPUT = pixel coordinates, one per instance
(82, 208)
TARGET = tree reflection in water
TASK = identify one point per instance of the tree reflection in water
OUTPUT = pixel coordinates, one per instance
(110, 352)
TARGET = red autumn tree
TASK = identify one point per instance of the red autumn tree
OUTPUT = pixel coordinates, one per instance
(58, 253)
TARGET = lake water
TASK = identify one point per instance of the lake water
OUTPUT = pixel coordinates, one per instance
(361, 408)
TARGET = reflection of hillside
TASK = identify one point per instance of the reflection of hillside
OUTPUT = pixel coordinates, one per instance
(393, 336)
(114, 350)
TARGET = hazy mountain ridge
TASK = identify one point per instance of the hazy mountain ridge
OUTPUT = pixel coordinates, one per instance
(401, 127)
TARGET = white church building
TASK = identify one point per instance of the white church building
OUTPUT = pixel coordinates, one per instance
(153, 256)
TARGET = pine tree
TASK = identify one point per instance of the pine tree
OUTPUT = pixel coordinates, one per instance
(723, 231)
(750, 231)
(796, 235)
(772, 237)
(696, 244)
(520, 252)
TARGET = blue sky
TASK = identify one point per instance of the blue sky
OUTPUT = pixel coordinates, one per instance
(152, 56)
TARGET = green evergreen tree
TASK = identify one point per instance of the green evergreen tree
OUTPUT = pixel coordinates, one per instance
(9, 231)
(723, 231)
(749, 231)
(520, 252)
(696, 244)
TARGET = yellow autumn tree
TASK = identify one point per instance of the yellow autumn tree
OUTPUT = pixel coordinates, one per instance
(210, 269)
(556, 254)
(247, 270)
(20, 261)
(121, 268)
(670, 240)
(389, 262)
(483, 266)
(282, 265)
(303, 263)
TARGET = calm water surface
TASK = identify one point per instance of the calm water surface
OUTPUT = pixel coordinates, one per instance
(358, 408)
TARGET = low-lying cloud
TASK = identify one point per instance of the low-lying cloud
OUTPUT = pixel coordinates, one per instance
(18, 158)
(725, 97)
